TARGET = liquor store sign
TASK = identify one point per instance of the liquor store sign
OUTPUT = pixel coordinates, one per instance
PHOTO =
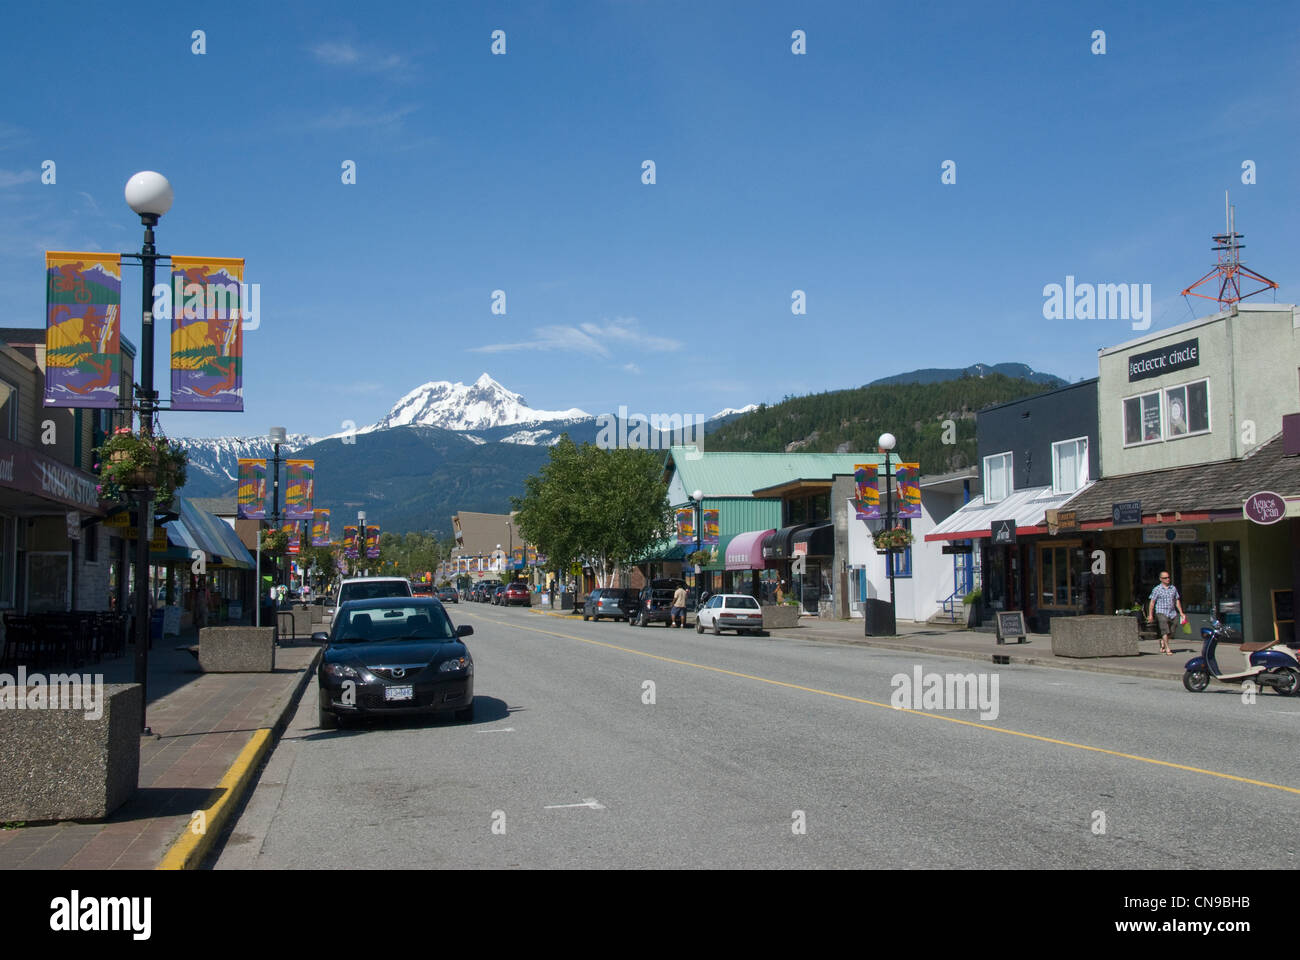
(28, 472)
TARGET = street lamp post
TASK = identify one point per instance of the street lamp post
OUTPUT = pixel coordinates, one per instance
(886, 444)
(361, 537)
(149, 195)
(698, 498)
(277, 436)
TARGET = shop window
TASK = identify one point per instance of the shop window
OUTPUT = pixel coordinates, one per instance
(1192, 576)
(900, 563)
(1069, 465)
(1062, 576)
(8, 551)
(1142, 419)
(90, 543)
(998, 480)
(8, 410)
(1187, 409)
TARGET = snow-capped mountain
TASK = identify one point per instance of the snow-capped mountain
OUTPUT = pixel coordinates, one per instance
(730, 412)
(214, 458)
(455, 406)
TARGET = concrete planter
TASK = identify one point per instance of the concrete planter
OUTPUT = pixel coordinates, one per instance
(780, 616)
(237, 649)
(60, 764)
(1094, 637)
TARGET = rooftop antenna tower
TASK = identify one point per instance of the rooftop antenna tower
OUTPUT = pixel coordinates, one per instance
(1230, 270)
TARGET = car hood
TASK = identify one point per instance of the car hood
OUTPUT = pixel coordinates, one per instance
(393, 651)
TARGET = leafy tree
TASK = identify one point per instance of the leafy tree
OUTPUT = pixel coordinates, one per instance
(598, 507)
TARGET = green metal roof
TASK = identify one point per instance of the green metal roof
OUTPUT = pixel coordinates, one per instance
(740, 474)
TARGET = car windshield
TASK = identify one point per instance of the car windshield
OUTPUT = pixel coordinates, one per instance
(376, 590)
(744, 603)
(398, 621)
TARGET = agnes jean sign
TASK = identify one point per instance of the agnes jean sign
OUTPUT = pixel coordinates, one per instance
(1264, 507)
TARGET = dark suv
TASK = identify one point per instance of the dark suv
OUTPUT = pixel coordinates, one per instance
(517, 594)
(614, 602)
(655, 604)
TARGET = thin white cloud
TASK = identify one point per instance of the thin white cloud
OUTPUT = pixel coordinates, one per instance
(590, 339)
(347, 55)
(11, 178)
(350, 117)
(631, 368)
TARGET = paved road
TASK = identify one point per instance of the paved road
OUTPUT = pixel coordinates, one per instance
(743, 733)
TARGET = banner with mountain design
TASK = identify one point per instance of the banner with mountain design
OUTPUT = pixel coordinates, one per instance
(320, 528)
(350, 542)
(685, 525)
(207, 340)
(909, 490)
(252, 489)
(299, 488)
(372, 542)
(83, 329)
(867, 501)
(710, 528)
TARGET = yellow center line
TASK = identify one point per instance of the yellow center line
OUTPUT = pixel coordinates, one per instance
(918, 713)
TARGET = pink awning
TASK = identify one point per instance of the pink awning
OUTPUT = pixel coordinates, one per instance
(745, 551)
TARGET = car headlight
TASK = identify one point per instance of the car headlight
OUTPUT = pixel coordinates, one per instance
(341, 671)
(456, 665)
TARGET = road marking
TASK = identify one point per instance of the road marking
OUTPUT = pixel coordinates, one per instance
(591, 804)
(920, 713)
(498, 730)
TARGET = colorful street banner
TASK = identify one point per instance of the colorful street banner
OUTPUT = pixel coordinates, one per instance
(299, 488)
(207, 341)
(710, 528)
(909, 490)
(372, 542)
(320, 528)
(532, 557)
(685, 525)
(252, 489)
(83, 329)
(292, 531)
(867, 502)
(350, 542)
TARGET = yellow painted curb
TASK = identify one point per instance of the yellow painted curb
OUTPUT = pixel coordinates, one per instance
(189, 849)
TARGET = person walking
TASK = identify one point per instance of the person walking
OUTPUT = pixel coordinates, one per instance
(1166, 606)
(678, 612)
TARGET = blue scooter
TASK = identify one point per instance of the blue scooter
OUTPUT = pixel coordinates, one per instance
(1266, 664)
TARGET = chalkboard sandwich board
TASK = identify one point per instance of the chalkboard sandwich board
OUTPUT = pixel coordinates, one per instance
(1283, 616)
(1011, 623)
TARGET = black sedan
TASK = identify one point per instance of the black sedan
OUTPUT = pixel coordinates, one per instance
(396, 655)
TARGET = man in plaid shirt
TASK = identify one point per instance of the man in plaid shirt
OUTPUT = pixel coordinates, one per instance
(1167, 606)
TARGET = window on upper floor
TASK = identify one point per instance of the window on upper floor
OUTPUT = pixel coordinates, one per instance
(998, 480)
(1187, 410)
(1069, 465)
(8, 410)
(1142, 419)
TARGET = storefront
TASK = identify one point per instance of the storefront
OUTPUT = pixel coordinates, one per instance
(744, 563)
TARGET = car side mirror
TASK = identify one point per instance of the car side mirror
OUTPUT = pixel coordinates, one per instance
(320, 637)
(464, 630)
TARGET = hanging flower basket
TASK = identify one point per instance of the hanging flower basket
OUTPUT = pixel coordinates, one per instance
(897, 538)
(129, 460)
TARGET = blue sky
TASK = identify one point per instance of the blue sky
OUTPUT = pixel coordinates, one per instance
(775, 172)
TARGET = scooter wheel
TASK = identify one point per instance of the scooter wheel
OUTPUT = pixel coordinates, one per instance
(1288, 682)
(1196, 680)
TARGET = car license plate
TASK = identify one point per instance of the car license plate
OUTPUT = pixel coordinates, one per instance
(399, 693)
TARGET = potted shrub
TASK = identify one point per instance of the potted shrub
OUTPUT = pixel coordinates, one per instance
(894, 538)
(971, 603)
(133, 460)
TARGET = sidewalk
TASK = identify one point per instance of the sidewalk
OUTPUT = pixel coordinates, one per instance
(205, 727)
(942, 640)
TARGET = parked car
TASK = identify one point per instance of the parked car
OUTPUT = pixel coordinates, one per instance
(448, 595)
(655, 603)
(517, 595)
(614, 602)
(498, 595)
(394, 655)
(730, 611)
(371, 588)
(421, 589)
